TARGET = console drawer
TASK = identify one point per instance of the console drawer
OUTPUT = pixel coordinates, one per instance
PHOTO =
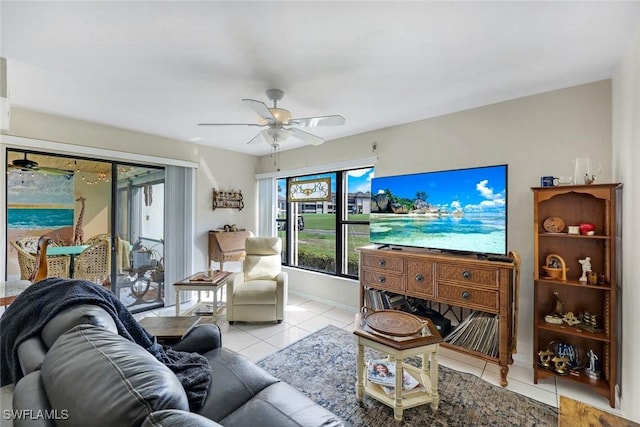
(383, 280)
(462, 273)
(481, 299)
(382, 262)
(420, 278)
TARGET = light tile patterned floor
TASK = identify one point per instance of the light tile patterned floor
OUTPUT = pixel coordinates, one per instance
(305, 316)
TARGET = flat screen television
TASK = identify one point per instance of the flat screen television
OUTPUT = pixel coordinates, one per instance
(462, 210)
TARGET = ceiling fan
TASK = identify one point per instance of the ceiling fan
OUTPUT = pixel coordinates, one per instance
(279, 123)
(26, 165)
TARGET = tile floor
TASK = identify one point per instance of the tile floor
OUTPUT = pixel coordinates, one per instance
(305, 316)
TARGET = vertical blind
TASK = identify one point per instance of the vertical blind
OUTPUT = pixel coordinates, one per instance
(179, 227)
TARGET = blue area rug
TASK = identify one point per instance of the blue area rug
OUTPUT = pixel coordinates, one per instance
(323, 366)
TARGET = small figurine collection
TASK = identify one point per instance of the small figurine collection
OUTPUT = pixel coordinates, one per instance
(584, 320)
(566, 359)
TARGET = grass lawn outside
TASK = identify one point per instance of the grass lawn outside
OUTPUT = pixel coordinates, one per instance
(317, 242)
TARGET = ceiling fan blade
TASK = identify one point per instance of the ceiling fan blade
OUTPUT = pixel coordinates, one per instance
(256, 139)
(54, 171)
(305, 136)
(41, 170)
(335, 120)
(230, 124)
(261, 109)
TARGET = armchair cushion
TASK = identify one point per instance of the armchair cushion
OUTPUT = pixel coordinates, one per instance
(263, 258)
(259, 292)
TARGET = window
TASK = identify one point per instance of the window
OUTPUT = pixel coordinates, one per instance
(321, 229)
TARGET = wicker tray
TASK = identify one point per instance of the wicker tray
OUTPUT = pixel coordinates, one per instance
(394, 322)
(553, 224)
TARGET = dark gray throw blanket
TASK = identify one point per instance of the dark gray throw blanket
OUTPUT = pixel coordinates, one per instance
(40, 302)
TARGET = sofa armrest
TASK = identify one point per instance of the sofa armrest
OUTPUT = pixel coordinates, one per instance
(177, 418)
(200, 339)
(31, 353)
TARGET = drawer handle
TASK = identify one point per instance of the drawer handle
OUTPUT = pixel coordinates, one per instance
(381, 279)
(466, 295)
(466, 274)
(419, 278)
(381, 262)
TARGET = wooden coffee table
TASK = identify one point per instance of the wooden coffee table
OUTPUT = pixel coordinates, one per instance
(169, 327)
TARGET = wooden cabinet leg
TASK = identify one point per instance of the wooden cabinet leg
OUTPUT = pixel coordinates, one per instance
(504, 370)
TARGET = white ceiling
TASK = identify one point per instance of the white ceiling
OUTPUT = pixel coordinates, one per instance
(162, 67)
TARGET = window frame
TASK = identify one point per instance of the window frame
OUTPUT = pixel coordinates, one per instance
(340, 203)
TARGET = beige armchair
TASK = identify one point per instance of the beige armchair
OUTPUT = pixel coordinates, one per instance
(259, 292)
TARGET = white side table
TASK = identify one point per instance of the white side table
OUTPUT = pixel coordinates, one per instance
(397, 351)
(202, 282)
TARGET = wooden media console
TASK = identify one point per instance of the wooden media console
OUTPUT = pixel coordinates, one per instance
(458, 281)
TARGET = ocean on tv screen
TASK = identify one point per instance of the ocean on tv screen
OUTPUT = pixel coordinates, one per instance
(454, 210)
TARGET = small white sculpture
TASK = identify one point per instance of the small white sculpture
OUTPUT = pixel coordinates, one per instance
(592, 360)
(586, 268)
(592, 370)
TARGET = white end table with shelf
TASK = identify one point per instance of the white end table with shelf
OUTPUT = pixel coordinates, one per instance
(397, 350)
(201, 282)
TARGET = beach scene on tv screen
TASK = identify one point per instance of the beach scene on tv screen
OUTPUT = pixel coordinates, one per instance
(457, 210)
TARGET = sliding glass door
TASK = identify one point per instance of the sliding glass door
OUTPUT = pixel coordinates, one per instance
(105, 218)
(139, 237)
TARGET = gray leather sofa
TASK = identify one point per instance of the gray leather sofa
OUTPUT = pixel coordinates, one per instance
(80, 372)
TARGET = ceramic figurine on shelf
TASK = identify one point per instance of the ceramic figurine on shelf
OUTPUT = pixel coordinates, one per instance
(586, 268)
(592, 370)
(556, 312)
(570, 319)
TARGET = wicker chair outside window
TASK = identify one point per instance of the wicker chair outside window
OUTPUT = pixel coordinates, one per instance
(97, 238)
(57, 266)
(94, 263)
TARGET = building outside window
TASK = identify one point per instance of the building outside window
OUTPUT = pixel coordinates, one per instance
(323, 218)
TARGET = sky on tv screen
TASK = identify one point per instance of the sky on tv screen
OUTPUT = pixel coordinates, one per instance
(477, 189)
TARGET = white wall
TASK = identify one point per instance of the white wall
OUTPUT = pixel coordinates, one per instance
(626, 149)
(217, 168)
(537, 135)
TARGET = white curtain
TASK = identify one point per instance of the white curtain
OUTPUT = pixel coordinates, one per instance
(179, 227)
(267, 204)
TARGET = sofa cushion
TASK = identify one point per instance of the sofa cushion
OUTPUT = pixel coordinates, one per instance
(121, 383)
(281, 405)
(235, 380)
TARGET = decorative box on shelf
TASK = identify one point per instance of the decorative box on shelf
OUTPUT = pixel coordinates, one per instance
(228, 199)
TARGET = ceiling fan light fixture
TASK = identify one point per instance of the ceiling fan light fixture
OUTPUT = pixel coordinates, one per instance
(281, 115)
